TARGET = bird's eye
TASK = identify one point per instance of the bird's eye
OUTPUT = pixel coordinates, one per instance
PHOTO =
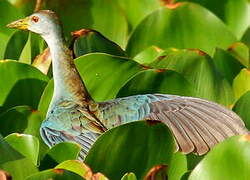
(35, 19)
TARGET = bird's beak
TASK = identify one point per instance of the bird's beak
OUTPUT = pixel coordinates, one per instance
(20, 24)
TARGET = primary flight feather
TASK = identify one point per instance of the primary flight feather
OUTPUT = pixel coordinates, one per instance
(196, 124)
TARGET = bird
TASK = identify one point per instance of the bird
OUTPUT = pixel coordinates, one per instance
(73, 116)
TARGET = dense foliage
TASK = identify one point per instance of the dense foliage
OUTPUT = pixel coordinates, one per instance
(197, 48)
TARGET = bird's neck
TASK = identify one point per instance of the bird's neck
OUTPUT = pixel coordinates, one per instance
(67, 81)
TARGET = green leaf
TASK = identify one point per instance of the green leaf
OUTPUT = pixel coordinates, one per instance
(241, 83)
(136, 11)
(242, 108)
(81, 169)
(46, 97)
(27, 145)
(187, 26)
(22, 119)
(20, 169)
(75, 166)
(157, 81)
(104, 74)
(235, 14)
(177, 167)
(227, 64)
(148, 55)
(8, 13)
(87, 41)
(16, 82)
(93, 14)
(15, 45)
(26, 6)
(14, 120)
(241, 52)
(57, 154)
(114, 155)
(7, 152)
(198, 69)
(129, 176)
(217, 164)
(32, 48)
(246, 37)
(55, 174)
(15, 163)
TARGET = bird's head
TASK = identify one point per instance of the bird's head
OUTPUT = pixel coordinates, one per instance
(43, 22)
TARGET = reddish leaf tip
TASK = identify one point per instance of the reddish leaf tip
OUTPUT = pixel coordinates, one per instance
(170, 4)
(198, 51)
(233, 46)
(152, 122)
(34, 110)
(160, 70)
(58, 171)
(157, 171)
(145, 67)
(81, 32)
(160, 57)
(246, 137)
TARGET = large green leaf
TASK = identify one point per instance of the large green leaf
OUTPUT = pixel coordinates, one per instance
(227, 64)
(23, 119)
(135, 11)
(241, 83)
(241, 52)
(234, 13)
(26, 6)
(75, 166)
(148, 55)
(87, 41)
(114, 155)
(246, 37)
(15, 163)
(27, 145)
(81, 169)
(199, 70)
(158, 81)
(8, 153)
(46, 97)
(229, 159)
(177, 167)
(104, 74)
(242, 108)
(14, 120)
(101, 15)
(20, 84)
(8, 13)
(187, 26)
(57, 154)
(33, 47)
(15, 45)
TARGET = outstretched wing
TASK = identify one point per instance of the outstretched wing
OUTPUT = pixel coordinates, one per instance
(197, 124)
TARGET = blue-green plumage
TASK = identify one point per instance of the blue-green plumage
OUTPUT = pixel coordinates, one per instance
(197, 124)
